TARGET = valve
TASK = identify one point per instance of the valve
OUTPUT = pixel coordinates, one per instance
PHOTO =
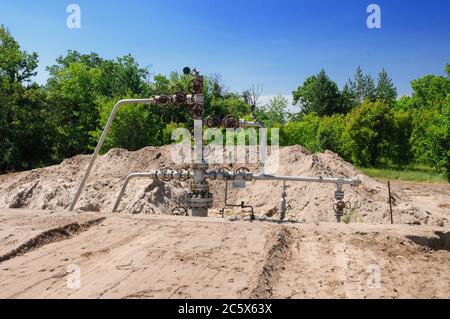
(283, 202)
(162, 99)
(184, 175)
(187, 70)
(244, 172)
(341, 205)
(196, 85)
(180, 211)
(225, 172)
(213, 122)
(197, 110)
(230, 121)
(166, 174)
(179, 98)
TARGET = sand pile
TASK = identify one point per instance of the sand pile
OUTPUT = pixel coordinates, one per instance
(52, 188)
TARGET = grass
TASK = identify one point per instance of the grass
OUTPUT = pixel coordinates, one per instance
(415, 173)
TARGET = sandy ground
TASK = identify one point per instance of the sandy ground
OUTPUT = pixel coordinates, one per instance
(126, 256)
(143, 252)
(434, 198)
(52, 188)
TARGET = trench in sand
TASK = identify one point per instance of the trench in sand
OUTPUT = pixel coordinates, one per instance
(441, 240)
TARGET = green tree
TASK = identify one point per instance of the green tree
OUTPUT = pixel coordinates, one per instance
(303, 132)
(304, 95)
(431, 138)
(348, 98)
(16, 66)
(319, 94)
(330, 135)
(362, 86)
(386, 91)
(21, 114)
(430, 91)
(73, 93)
(274, 112)
(231, 104)
(431, 125)
(401, 151)
(33, 130)
(370, 91)
(405, 103)
(370, 128)
(133, 128)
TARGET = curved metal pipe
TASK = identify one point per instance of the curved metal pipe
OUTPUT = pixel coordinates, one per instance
(102, 140)
(124, 186)
(242, 205)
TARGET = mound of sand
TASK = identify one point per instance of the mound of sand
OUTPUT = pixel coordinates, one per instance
(52, 188)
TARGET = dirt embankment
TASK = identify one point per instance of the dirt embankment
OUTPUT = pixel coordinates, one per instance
(52, 188)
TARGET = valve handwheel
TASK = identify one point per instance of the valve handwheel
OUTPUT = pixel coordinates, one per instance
(166, 171)
(162, 99)
(339, 206)
(196, 85)
(213, 122)
(184, 173)
(180, 211)
(179, 98)
(230, 121)
(225, 171)
(197, 110)
(242, 170)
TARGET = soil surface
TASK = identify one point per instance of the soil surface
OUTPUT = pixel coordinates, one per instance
(126, 256)
(143, 252)
(52, 188)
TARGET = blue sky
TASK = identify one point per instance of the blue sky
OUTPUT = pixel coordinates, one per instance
(275, 43)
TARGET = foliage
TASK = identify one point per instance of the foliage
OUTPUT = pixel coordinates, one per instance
(362, 87)
(274, 112)
(418, 173)
(330, 135)
(364, 122)
(16, 66)
(301, 133)
(431, 137)
(370, 128)
(386, 90)
(319, 94)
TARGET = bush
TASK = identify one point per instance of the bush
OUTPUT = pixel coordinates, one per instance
(330, 135)
(431, 137)
(370, 129)
(302, 133)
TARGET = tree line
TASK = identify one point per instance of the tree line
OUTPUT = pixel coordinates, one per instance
(364, 122)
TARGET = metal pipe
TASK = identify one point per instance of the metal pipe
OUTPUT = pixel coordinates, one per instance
(102, 140)
(242, 205)
(245, 124)
(160, 175)
(262, 150)
(127, 180)
(339, 181)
